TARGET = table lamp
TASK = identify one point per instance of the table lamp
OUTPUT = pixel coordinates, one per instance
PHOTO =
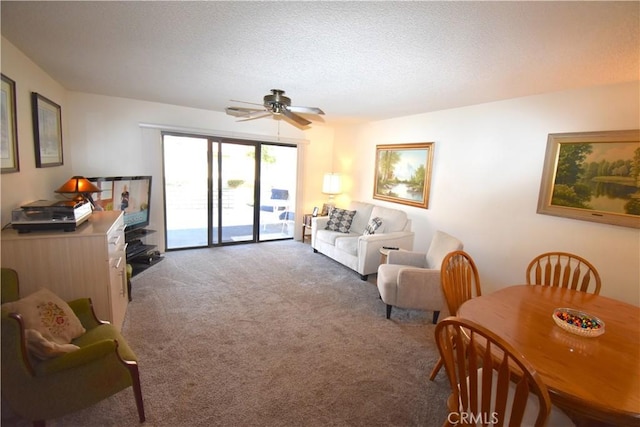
(331, 185)
(81, 187)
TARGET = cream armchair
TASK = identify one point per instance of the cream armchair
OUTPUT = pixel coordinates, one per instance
(412, 279)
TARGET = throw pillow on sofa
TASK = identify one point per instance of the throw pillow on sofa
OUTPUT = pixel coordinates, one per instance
(373, 225)
(340, 220)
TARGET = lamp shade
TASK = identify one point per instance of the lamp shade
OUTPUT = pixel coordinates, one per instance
(78, 184)
(331, 183)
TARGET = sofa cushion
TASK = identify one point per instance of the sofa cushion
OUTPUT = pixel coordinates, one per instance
(362, 217)
(392, 219)
(373, 225)
(348, 244)
(328, 236)
(340, 220)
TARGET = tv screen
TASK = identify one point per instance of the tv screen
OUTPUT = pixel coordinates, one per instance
(130, 194)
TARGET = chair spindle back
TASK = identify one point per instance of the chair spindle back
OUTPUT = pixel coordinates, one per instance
(491, 382)
(564, 270)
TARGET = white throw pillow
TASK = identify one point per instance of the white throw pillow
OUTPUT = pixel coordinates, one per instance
(48, 314)
(42, 348)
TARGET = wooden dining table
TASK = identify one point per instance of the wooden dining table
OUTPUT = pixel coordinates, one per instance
(595, 378)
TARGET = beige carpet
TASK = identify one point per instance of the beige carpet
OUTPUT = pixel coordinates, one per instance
(270, 335)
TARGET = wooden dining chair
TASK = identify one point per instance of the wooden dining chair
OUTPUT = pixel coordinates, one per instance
(491, 382)
(565, 270)
(460, 281)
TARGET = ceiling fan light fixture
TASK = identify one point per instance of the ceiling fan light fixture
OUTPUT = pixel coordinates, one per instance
(276, 98)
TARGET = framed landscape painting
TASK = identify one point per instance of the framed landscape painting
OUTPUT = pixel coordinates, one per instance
(47, 130)
(592, 176)
(403, 173)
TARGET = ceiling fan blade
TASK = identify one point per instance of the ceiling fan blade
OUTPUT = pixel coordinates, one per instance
(242, 112)
(245, 102)
(255, 116)
(305, 110)
(296, 118)
(275, 104)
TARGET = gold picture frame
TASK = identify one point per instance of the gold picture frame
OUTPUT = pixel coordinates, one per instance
(403, 173)
(47, 131)
(592, 176)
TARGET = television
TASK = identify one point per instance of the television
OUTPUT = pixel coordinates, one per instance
(131, 194)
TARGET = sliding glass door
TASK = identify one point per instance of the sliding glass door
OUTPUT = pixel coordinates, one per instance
(186, 191)
(213, 195)
(234, 180)
(278, 175)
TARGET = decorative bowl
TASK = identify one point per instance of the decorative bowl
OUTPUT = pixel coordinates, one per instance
(578, 322)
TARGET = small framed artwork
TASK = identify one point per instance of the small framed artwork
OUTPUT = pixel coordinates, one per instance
(327, 208)
(47, 131)
(315, 211)
(403, 173)
(592, 176)
(9, 127)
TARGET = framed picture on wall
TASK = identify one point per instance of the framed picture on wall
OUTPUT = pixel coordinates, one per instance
(592, 176)
(9, 127)
(327, 208)
(47, 131)
(403, 173)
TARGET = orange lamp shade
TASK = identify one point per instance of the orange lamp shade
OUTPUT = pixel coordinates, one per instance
(78, 184)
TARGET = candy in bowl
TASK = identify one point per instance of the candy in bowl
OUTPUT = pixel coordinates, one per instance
(578, 322)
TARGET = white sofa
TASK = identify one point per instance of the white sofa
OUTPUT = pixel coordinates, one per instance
(356, 250)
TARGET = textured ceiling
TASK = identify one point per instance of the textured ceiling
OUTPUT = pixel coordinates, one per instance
(355, 60)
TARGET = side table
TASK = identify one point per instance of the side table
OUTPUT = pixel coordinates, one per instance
(306, 223)
(384, 253)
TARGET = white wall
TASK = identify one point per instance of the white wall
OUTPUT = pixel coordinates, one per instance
(318, 160)
(486, 177)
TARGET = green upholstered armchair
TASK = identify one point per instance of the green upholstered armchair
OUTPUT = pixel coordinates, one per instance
(38, 390)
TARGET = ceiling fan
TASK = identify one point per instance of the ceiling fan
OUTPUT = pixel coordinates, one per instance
(274, 104)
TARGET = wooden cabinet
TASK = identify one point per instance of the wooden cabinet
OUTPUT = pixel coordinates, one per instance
(88, 262)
